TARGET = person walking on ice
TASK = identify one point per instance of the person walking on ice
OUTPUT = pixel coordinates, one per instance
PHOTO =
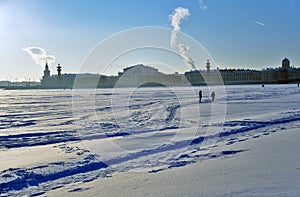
(213, 95)
(200, 96)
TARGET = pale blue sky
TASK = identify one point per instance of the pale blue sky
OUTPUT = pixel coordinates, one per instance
(237, 33)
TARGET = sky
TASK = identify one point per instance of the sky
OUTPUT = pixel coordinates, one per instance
(252, 34)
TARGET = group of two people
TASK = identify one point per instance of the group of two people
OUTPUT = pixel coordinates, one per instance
(213, 95)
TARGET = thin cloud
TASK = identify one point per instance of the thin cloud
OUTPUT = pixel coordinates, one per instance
(202, 5)
(259, 23)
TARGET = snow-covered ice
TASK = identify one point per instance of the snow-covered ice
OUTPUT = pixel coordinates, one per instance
(56, 141)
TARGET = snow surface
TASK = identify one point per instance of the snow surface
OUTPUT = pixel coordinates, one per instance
(56, 140)
(266, 166)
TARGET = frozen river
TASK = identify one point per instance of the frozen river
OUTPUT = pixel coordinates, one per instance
(52, 138)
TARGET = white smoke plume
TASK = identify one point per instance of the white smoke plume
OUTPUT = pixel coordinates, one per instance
(39, 55)
(183, 52)
(178, 14)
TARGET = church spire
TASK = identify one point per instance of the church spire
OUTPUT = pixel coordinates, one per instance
(46, 71)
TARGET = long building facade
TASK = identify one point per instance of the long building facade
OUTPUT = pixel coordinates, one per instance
(284, 74)
(141, 75)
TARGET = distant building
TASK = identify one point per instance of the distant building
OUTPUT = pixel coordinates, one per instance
(284, 74)
(241, 76)
(68, 81)
(208, 67)
(46, 71)
(19, 84)
(59, 72)
(141, 75)
(133, 76)
(4, 83)
(195, 77)
(286, 63)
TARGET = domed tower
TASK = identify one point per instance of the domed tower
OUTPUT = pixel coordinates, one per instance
(286, 63)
